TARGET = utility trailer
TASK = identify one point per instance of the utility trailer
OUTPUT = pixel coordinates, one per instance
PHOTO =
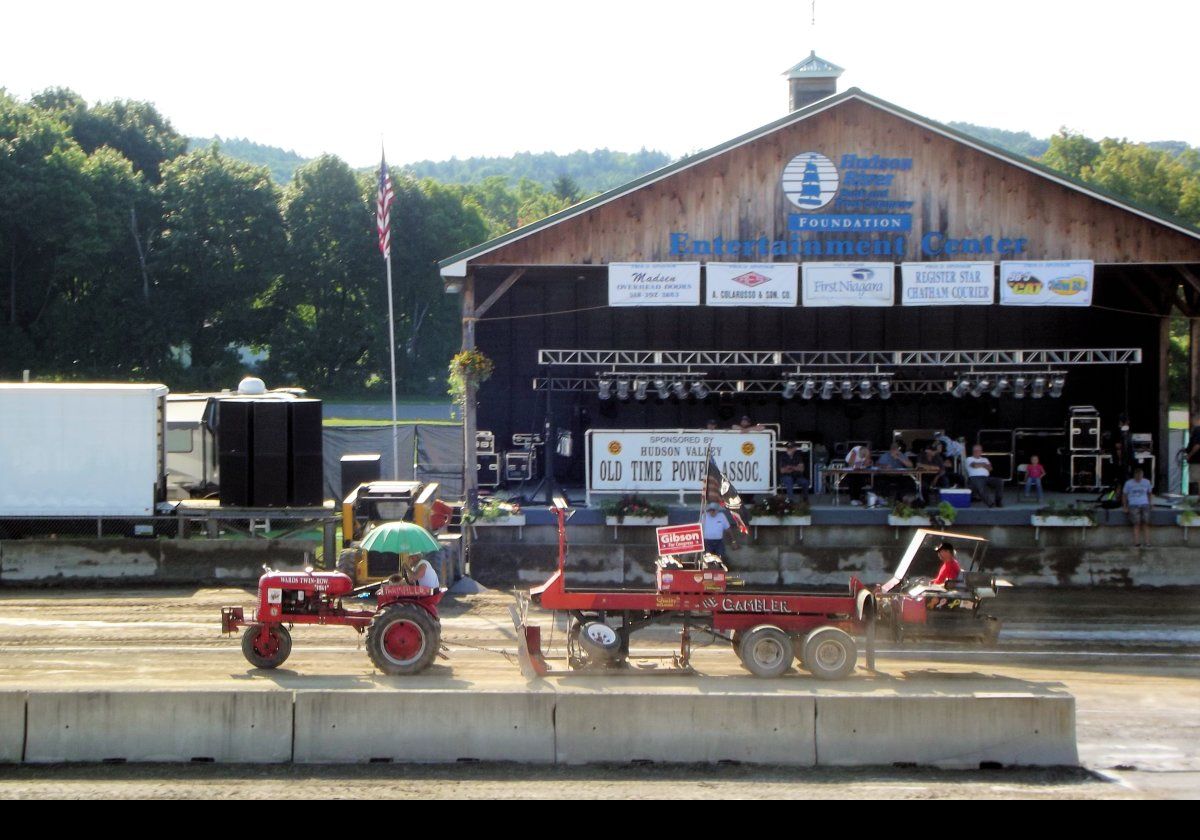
(768, 630)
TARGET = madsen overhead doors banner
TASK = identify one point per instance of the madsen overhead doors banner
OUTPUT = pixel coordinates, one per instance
(668, 461)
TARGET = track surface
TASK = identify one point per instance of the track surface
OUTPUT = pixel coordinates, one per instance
(1132, 660)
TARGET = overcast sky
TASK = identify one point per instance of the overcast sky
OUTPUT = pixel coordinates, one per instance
(465, 78)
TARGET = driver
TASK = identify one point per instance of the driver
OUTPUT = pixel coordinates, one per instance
(950, 570)
(421, 572)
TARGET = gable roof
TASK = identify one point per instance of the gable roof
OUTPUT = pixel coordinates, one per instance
(456, 266)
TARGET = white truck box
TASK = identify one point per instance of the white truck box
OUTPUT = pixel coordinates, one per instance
(81, 449)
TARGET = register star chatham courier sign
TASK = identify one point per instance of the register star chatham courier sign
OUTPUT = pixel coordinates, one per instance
(672, 460)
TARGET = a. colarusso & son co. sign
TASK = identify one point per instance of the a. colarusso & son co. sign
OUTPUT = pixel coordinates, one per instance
(673, 460)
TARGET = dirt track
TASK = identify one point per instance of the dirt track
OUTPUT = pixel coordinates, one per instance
(1137, 691)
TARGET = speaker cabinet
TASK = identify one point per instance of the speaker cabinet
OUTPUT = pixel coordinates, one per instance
(359, 469)
(235, 480)
(233, 427)
(306, 478)
(269, 431)
(269, 481)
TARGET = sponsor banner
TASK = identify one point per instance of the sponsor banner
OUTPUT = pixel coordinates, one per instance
(1047, 283)
(680, 539)
(947, 283)
(849, 284)
(751, 284)
(654, 284)
(673, 460)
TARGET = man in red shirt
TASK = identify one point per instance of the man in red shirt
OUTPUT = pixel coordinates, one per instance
(950, 569)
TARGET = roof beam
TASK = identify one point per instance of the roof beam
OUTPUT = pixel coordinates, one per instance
(512, 278)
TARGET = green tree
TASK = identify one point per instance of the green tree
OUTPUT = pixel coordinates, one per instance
(328, 293)
(1071, 153)
(220, 249)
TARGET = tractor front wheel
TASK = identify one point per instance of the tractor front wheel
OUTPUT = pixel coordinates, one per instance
(403, 639)
(270, 652)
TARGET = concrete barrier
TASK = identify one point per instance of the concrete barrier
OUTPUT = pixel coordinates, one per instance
(225, 726)
(946, 731)
(12, 727)
(424, 726)
(594, 726)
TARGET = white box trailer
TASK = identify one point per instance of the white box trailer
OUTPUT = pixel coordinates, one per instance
(75, 449)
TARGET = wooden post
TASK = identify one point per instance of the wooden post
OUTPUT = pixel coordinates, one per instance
(470, 474)
(1194, 373)
(1163, 432)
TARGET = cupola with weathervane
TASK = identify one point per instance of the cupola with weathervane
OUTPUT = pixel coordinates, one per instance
(812, 79)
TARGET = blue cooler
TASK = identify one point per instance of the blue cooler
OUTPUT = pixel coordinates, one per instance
(960, 499)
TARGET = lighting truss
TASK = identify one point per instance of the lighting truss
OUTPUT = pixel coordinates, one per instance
(687, 360)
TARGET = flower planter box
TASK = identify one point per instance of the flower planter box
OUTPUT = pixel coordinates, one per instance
(511, 521)
(636, 520)
(908, 521)
(1185, 522)
(1061, 521)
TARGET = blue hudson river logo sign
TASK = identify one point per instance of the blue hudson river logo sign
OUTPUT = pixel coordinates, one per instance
(857, 198)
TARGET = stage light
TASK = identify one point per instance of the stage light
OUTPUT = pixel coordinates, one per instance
(885, 389)
(789, 389)
(639, 389)
(679, 388)
(1019, 388)
(1001, 387)
(980, 386)
(1056, 386)
(660, 385)
(847, 389)
(960, 389)
(864, 389)
(827, 389)
(622, 389)
(699, 389)
(1039, 387)
(605, 389)
(809, 388)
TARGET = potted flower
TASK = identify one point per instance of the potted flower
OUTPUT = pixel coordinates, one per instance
(634, 510)
(943, 515)
(468, 369)
(1188, 516)
(779, 510)
(904, 515)
(1056, 515)
(496, 512)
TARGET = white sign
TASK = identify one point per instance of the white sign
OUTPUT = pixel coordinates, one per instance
(751, 284)
(674, 460)
(654, 284)
(849, 284)
(947, 283)
(1048, 283)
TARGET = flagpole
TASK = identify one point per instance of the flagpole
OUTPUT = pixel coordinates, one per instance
(387, 258)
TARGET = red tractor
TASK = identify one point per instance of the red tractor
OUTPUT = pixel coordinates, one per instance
(403, 631)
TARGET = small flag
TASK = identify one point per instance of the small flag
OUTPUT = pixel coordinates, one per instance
(717, 488)
(383, 209)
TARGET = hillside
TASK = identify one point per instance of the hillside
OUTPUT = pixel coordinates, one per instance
(281, 163)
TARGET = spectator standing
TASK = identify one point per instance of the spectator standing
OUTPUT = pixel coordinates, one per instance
(1136, 496)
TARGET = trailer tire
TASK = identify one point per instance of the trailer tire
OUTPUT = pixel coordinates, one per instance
(279, 649)
(766, 651)
(600, 641)
(830, 653)
(403, 639)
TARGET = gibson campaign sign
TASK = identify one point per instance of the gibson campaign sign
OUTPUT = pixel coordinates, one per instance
(654, 284)
(751, 284)
(947, 283)
(674, 460)
(1046, 283)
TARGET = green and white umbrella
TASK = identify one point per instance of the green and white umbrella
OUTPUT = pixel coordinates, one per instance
(400, 538)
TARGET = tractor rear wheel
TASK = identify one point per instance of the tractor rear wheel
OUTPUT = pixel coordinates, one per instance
(270, 653)
(347, 564)
(403, 639)
(766, 651)
(830, 653)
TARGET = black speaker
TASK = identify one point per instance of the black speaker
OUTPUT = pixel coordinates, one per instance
(269, 431)
(269, 480)
(233, 427)
(306, 479)
(359, 469)
(235, 480)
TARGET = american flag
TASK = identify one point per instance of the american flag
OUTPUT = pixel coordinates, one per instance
(383, 209)
(717, 488)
